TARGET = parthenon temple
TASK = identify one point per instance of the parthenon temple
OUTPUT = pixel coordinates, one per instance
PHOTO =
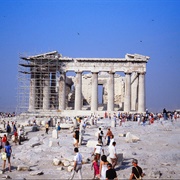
(50, 82)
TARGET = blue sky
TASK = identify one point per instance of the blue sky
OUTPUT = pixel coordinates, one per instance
(107, 28)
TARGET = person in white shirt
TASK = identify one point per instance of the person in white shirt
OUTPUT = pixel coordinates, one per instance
(111, 140)
(113, 154)
(98, 150)
(77, 164)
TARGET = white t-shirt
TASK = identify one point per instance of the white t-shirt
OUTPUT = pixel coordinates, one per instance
(111, 141)
(78, 158)
(112, 151)
(98, 149)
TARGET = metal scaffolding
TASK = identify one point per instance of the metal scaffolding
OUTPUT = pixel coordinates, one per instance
(42, 71)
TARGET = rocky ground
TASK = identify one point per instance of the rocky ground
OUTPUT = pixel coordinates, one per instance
(157, 152)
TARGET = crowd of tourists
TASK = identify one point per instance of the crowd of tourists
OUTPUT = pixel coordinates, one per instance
(103, 168)
(7, 114)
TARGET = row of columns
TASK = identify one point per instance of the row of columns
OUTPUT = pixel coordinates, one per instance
(94, 96)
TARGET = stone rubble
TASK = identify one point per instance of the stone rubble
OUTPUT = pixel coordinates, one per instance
(49, 156)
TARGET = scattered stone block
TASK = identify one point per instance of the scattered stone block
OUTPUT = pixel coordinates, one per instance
(56, 161)
(23, 168)
(60, 168)
(53, 143)
(131, 138)
(54, 134)
(70, 168)
(66, 163)
(34, 173)
(66, 126)
(113, 123)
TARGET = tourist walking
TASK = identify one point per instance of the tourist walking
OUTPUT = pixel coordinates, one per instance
(20, 133)
(47, 127)
(4, 140)
(108, 134)
(77, 164)
(110, 173)
(15, 137)
(136, 170)
(8, 151)
(113, 154)
(95, 166)
(103, 167)
(58, 127)
(76, 137)
(8, 128)
(100, 135)
(98, 150)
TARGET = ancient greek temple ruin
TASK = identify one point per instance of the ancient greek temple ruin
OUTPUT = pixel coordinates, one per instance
(51, 82)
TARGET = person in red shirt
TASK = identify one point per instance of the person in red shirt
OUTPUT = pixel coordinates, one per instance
(4, 140)
(15, 137)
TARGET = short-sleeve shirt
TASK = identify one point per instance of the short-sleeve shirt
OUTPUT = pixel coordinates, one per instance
(137, 171)
(8, 150)
(78, 158)
(112, 151)
(111, 174)
(98, 149)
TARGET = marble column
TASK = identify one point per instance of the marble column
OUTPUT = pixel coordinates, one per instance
(127, 100)
(53, 90)
(78, 91)
(46, 92)
(32, 95)
(141, 93)
(62, 91)
(94, 96)
(110, 106)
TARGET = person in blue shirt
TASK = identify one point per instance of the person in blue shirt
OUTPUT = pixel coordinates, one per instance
(8, 151)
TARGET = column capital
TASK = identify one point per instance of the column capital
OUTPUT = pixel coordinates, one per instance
(94, 72)
(111, 72)
(142, 73)
(78, 72)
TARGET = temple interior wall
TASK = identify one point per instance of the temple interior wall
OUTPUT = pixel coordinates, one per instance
(119, 90)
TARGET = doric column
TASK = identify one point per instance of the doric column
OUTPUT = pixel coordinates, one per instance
(94, 96)
(141, 93)
(46, 90)
(32, 95)
(110, 106)
(53, 90)
(78, 91)
(127, 100)
(62, 91)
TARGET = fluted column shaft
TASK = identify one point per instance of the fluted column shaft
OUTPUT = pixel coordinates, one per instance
(46, 92)
(62, 91)
(32, 94)
(94, 96)
(141, 93)
(78, 91)
(111, 92)
(127, 101)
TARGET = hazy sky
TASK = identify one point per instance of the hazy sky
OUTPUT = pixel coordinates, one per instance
(101, 28)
